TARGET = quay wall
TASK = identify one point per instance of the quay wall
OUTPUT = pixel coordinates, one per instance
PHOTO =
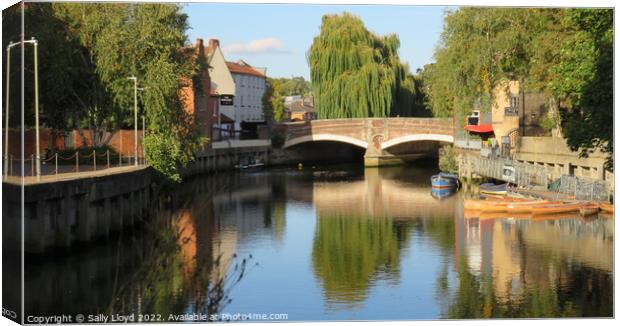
(60, 214)
(556, 156)
(224, 155)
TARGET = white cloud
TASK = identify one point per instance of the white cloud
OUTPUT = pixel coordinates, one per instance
(266, 45)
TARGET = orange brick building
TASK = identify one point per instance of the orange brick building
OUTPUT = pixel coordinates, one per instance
(202, 103)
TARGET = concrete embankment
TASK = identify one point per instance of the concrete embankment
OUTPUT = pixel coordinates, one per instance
(59, 214)
(65, 210)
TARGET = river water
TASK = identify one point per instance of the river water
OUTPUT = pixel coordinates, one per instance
(331, 243)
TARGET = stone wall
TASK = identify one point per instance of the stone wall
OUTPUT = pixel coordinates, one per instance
(63, 213)
(553, 153)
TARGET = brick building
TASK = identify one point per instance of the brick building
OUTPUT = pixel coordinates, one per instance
(200, 99)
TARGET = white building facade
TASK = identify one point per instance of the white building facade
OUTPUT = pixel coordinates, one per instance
(250, 83)
(240, 88)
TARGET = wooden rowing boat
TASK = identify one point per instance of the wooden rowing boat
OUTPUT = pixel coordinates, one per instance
(607, 207)
(519, 207)
(556, 208)
(588, 209)
(496, 206)
(505, 199)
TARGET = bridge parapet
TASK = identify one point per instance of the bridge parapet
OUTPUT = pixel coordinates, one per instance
(368, 129)
(373, 134)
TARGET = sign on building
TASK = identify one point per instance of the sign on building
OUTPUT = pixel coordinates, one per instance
(226, 100)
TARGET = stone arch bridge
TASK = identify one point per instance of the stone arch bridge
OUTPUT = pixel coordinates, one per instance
(378, 136)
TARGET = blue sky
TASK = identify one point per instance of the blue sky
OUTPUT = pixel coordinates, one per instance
(277, 36)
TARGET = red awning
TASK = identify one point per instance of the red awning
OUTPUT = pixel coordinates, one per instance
(480, 128)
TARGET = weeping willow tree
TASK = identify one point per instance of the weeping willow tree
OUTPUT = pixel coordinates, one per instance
(357, 74)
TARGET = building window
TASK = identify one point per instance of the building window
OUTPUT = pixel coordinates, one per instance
(514, 101)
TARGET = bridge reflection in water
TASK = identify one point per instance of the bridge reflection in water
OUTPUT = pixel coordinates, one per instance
(335, 243)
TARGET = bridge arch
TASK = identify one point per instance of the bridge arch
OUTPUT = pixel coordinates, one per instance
(417, 137)
(326, 137)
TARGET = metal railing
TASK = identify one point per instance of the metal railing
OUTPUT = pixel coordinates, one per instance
(76, 163)
(522, 174)
(569, 186)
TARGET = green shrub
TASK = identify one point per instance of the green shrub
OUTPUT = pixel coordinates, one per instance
(447, 159)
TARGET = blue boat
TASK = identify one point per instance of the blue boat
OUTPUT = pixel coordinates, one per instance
(441, 193)
(493, 189)
(444, 180)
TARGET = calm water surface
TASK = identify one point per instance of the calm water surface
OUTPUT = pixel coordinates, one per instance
(331, 244)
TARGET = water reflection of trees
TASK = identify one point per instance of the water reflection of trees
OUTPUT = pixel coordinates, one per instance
(349, 252)
(178, 261)
(185, 266)
(363, 224)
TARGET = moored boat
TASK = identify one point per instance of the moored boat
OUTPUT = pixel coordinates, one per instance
(505, 199)
(498, 206)
(556, 208)
(558, 216)
(588, 209)
(257, 164)
(440, 193)
(444, 180)
(493, 189)
(607, 207)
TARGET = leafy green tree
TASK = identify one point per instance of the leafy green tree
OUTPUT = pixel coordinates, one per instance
(63, 105)
(295, 86)
(87, 51)
(585, 81)
(273, 101)
(277, 89)
(562, 53)
(356, 73)
(146, 41)
(479, 48)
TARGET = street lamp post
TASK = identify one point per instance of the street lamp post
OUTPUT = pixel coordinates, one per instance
(6, 115)
(143, 126)
(36, 107)
(135, 117)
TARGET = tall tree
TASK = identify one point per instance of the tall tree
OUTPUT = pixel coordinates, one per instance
(277, 89)
(87, 51)
(356, 73)
(479, 47)
(273, 99)
(60, 58)
(585, 82)
(560, 52)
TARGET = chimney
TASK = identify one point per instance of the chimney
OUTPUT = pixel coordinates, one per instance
(214, 43)
(199, 47)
